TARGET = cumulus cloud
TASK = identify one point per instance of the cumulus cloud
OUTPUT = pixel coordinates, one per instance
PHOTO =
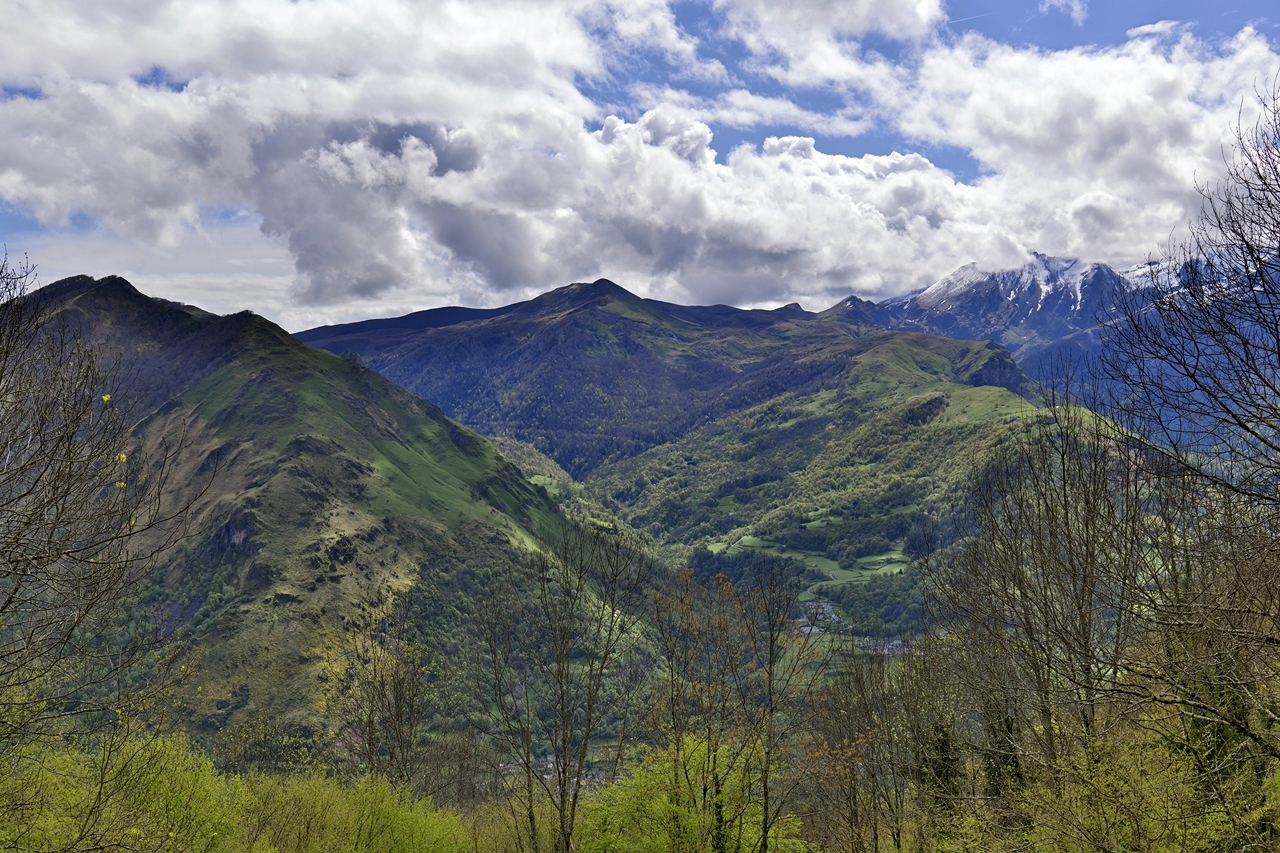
(1092, 152)
(404, 154)
(784, 26)
(1078, 10)
(741, 108)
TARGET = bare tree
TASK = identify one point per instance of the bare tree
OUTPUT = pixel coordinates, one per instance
(701, 713)
(889, 747)
(1197, 354)
(785, 665)
(738, 688)
(1039, 594)
(1207, 673)
(81, 518)
(81, 524)
(387, 700)
(860, 779)
(1196, 351)
(554, 638)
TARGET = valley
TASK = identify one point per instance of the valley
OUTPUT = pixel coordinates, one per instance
(715, 426)
(705, 534)
(323, 496)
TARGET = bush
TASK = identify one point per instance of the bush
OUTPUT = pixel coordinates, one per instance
(157, 793)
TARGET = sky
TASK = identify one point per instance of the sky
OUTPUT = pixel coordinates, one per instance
(319, 161)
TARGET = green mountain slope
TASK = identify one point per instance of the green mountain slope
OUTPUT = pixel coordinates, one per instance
(321, 491)
(837, 467)
(817, 436)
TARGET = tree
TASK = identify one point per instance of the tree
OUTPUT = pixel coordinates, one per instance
(700, 711)
(81, 525)
(784, 664)
(555, 638)
(386, 699)
(888, 744)
(738, 682)
(1196, 351)
(1041, 587)
(1197, 356)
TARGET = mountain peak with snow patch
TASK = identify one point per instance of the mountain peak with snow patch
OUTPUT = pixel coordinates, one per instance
(1029, 309)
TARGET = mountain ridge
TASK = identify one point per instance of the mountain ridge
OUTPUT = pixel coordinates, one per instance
(1037, 311)
(322, 492)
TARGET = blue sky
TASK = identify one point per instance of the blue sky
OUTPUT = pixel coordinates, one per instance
(323, 161)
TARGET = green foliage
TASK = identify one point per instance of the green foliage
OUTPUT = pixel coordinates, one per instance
(1129, 792)
(158, 794)
(315, 814)
(882, 605)
(657, 805)
(843, 480)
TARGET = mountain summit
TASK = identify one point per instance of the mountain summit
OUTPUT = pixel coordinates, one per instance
(1036, 311)
(592, 373)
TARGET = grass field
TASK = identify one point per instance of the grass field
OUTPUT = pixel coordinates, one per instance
(890, 562)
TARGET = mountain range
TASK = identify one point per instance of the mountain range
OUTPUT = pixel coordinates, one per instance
(722, 430)
(1035, 311)
(327, 489)
(1043, 312)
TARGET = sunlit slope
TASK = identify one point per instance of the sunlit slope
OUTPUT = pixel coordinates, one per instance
(838, 467)
(321, 491)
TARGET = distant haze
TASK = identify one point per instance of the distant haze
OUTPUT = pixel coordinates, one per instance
(324, 162)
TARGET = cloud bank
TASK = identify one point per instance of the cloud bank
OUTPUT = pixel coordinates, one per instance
(407, 154)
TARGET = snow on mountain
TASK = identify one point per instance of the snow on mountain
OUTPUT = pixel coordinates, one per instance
(1041, 277)
(1030, 309)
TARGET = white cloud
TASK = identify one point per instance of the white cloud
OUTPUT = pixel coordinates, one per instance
(1078, 10)
(1160, 29)
(1090, 152)
(741, 108)
(784, 26)
(811, 43)
(401, 155)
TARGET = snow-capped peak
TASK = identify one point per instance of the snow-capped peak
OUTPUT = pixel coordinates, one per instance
(1041, 277)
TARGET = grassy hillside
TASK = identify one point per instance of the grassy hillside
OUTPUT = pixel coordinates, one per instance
(838, 467)
(321, 492)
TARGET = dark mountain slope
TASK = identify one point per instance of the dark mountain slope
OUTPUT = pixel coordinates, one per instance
(592, 374)
(370, 336)
(321, 492)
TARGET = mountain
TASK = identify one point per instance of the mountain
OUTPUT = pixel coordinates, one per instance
(1040, 312)
(322, 492)
(819, 436)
